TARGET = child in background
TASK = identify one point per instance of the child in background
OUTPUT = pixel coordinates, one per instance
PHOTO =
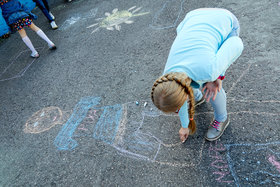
(207, 43)
(44, 6)
(17, 16)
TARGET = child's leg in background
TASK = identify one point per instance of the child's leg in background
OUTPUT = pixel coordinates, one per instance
(220, 106)
(41, 34)
(27, 42)
(197, 94)
(46, 5)
(44, 9)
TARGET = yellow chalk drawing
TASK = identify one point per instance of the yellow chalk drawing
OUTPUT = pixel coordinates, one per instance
(113, 20)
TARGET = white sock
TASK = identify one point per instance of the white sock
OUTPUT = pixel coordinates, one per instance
(29, 44)
(44, 37)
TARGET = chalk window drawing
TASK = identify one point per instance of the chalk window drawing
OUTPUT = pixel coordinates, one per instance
(113, 20)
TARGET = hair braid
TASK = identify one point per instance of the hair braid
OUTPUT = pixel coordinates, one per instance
(157, 82)
(192, 124)
(183, 82)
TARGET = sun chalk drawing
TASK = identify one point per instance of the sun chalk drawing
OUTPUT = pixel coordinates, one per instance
(122, 126)
(219, 165)
(78, 17)
(113, 20)
(170, 7)
(250, 164)
(17, 66)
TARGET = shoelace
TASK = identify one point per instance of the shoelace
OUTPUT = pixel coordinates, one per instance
(215, 124)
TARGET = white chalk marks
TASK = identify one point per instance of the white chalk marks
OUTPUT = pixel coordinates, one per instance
(168, 16)
(17, 66)
(68, 23)
(113, 21)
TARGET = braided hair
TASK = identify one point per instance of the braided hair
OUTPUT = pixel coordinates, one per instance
(170, 92)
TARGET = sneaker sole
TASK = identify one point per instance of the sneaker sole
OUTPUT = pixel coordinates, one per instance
(53, 48)
(35, 56)
(213, 139)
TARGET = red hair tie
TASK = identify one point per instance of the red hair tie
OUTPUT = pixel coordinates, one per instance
(191, 119)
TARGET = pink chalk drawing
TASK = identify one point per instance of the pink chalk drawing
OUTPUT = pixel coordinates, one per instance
(219, 165)
(273, 161)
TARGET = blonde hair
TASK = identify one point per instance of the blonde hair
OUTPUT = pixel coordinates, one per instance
(170, 92)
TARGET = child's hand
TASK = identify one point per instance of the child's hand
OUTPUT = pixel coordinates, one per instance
(184, 133)
(211, 89)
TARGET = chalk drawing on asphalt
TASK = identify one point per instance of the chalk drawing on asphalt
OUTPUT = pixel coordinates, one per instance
(219, 166)
(112, 21)
(169, 10)
(78, 17)
(44, 120)
(18, 66)
(124, 127)
(254, 164)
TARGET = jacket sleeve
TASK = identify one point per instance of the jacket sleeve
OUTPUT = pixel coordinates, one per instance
(4, 28)
(28, 5)
(184, 115)
(230, 50)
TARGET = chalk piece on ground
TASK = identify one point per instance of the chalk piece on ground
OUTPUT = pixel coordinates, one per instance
(145, 104)
(137, 103)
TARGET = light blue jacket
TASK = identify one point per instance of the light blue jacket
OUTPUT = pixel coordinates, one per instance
(202, 49)
(25, 5)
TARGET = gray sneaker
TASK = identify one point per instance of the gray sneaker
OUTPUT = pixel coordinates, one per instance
(216, 129)
(197, 103)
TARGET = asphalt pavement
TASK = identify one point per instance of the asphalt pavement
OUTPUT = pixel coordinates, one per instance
(82, 116)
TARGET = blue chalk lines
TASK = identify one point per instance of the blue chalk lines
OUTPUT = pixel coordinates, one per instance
(118, 126)
(247, 169)
(107, 125)
(125, 127)
(64, 140)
